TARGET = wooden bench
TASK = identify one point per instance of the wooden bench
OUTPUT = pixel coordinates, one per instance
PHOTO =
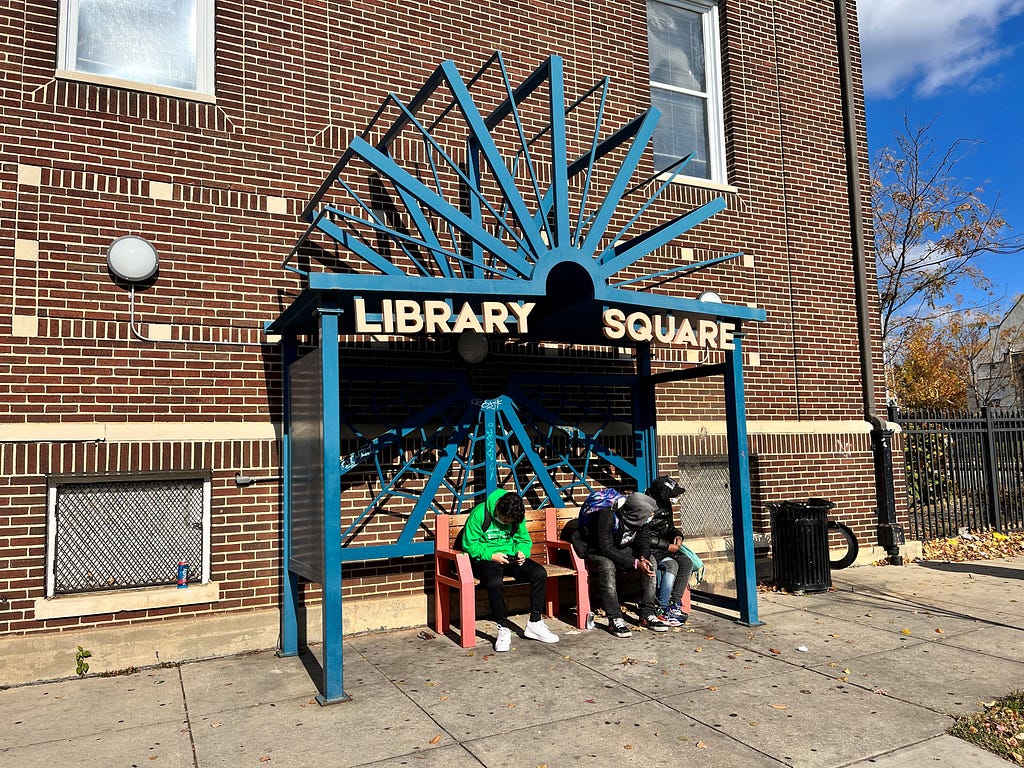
(453, 571)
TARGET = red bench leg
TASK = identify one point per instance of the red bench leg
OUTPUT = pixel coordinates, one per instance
(467, 617)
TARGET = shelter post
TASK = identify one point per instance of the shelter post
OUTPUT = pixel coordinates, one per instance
(333, 688)
(289, 579)
(644, 418)
(739, 484)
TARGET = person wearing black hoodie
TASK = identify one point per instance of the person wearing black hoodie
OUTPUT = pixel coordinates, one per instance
(619, 539)
(666, 540)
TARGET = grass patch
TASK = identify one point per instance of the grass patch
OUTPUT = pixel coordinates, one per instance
(999, 729)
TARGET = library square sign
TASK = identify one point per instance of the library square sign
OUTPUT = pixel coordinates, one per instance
(505, 318)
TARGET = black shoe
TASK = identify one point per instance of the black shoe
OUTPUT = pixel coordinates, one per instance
(619, 628)
(654, 624)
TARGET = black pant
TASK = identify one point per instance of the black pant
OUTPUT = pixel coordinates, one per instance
(491, 575)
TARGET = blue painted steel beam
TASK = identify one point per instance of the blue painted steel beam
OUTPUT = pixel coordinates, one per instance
(289, 579)
(636, 248)
(644, 418)
(402, 178)
(739, 485)
(385, 552)
(543, 477)
(488, 148)
(559, 160)
(333, 654)
(610, 204)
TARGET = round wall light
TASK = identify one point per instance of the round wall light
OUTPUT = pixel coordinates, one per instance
(711, 297)
(132, 258)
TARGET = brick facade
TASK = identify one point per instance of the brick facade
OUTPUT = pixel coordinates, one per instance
(218, 187)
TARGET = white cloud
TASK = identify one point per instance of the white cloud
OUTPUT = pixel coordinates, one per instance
(931, 45)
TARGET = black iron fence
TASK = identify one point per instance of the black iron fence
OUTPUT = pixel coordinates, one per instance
(964, 469)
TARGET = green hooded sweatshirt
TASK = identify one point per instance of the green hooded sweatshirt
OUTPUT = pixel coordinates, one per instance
(507, 540)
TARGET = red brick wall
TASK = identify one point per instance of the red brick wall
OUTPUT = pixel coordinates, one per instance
(294, 82)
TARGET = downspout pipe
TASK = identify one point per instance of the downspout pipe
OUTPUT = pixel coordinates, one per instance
(890, 533)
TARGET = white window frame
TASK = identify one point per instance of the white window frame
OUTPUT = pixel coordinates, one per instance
(713, 96)
(67, 53)
(54, 484)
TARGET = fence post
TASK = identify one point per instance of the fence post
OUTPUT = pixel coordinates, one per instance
(995, 512)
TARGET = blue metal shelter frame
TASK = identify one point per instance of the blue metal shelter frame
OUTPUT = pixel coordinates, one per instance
(441, 200)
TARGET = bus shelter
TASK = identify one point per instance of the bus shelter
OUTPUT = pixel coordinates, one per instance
(476, 313)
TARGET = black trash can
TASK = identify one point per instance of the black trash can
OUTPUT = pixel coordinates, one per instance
(800, 556)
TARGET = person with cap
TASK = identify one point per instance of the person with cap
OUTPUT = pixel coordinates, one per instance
(674, 565)
(618, 539)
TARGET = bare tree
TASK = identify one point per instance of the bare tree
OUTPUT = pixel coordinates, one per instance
(930, 229)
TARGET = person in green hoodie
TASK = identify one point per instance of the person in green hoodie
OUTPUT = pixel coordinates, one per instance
(498, 545)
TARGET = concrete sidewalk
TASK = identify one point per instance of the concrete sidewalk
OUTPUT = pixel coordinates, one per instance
(890, 656)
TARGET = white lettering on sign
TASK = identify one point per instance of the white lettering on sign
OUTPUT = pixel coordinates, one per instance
(667, 329)
(407, 316)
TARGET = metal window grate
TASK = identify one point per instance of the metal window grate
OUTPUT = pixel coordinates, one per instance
(124, 534)
(707, 503)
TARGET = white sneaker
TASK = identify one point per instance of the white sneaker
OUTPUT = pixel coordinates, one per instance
(504, 641)
(538, 630)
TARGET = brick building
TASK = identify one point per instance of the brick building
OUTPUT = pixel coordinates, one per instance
(207, 129)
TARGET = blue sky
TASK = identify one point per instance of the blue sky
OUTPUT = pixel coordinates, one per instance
(960, 62)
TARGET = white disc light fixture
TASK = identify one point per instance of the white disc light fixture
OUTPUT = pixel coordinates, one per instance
(132, 258)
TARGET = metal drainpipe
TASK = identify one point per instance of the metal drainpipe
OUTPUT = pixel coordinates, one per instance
(890, 533)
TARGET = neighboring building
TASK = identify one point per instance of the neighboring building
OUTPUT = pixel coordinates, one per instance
(141, 417)
(998, 369)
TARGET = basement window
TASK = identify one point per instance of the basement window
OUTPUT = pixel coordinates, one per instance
(124, 532)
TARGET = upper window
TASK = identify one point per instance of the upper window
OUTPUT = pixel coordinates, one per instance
(686, 86)
(163, 43)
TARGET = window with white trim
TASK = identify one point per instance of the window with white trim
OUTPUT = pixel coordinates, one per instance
(108, 533)
(686, 85)
(164, 44)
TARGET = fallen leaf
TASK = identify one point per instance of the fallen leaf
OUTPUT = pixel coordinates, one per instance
(589, 701)
(698, 649)
(904, 631)
(215, 725)
(776, 651)
(265, 759)
(939, 630)
(627, 746)
(804, 690)
(712, 688)
(779, 706)
(510, 705)
(435, 740)
(443, 698)
(701, 745)
(846, 671)
(664, 671)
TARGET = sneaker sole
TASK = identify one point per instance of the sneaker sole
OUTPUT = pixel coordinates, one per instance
(553, 639)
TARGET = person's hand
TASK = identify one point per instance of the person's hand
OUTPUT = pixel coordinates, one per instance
(673, 547)
(516, 558)
(500, 557)
(644, 566)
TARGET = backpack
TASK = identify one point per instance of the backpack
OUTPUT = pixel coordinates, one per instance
(595, 502)
(483, 527)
